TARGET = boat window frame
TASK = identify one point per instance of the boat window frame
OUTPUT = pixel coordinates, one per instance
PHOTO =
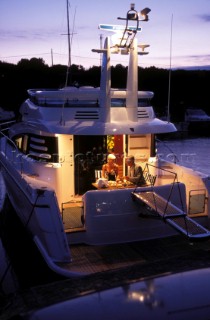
(26, 147)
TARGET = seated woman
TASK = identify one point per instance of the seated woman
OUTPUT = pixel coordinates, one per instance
(110, 169)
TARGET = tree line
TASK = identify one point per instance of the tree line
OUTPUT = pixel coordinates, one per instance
(188, 88)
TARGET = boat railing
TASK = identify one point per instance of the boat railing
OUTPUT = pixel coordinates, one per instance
(151, 168)
(10, 142)
(6, 125)
(160, 170)
(83, 101)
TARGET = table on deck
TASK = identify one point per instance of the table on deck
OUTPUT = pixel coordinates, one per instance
(112, 187)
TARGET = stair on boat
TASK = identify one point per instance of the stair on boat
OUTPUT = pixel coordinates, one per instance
(171, 214)
(72, 215)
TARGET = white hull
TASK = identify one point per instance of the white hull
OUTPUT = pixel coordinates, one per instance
(38, 210)
(109, 216)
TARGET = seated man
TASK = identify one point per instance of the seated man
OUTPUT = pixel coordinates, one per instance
(135, 173)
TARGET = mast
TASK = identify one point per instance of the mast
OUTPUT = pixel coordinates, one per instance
(69, 44)
(62, 122)
(169, 80)
(70, 37)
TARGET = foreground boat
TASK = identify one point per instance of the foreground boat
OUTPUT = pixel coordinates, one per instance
(183, 295)
(51, 162)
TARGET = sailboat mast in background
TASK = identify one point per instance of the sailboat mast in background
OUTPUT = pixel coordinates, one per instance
(70, 37)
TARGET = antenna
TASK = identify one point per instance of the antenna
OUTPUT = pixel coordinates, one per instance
(132, 15)
(101, 47)
(52, 56)
(169, 80)
(62, 122)
(68, 33)
(70, 38)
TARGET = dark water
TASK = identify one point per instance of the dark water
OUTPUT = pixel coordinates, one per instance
(193, 153)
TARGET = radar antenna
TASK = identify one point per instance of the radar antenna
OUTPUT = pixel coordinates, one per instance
(130, 33)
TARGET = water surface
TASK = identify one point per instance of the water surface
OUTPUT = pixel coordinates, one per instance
(193, 153)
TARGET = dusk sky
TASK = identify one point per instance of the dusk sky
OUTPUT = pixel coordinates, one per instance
(32, 28)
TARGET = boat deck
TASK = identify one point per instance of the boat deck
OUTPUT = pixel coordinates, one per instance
(157, 257)
(92, 259)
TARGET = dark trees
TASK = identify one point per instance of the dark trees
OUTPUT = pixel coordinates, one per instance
(188, 88)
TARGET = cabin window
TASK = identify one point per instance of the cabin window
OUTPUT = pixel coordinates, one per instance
(144, 102)
(19, 141)
(41, 148)
(117, 102)
(74, 103)
(25, 143)
(120, 102)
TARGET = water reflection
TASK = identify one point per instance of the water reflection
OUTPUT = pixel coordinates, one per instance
(146, 295)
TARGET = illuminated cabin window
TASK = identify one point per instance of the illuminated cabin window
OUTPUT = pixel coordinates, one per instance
(19, 142)
(40, 148)
(117, 102)
(25, 143)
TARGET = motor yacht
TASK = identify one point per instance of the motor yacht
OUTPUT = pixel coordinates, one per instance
(52, 157)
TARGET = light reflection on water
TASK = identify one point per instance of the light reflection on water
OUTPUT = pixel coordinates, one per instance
(192, 153)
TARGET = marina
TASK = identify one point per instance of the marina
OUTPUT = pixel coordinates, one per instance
(61, 220)
(198, 121)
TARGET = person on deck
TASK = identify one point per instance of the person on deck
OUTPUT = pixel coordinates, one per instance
(135, 173)
(110, 169)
